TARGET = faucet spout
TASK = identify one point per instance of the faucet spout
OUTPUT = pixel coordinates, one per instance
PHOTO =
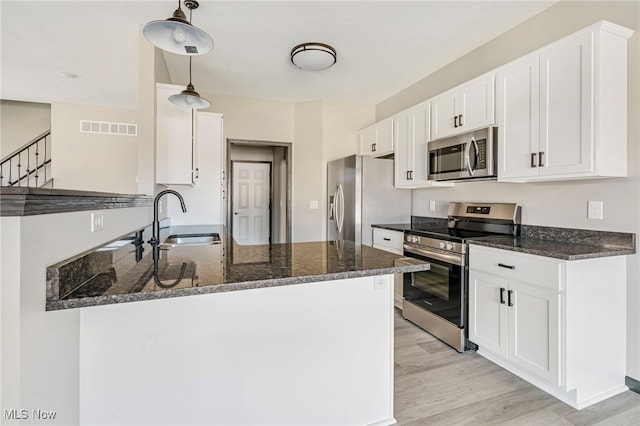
(155, 238)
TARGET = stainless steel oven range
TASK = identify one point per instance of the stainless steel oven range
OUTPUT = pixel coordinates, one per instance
(437, 299)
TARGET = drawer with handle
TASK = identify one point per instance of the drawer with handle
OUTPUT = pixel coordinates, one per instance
(538, 270)
(388, 238)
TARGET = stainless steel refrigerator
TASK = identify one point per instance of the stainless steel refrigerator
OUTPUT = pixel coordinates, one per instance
(361, 193)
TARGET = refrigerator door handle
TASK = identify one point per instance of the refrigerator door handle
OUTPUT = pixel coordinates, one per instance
(339, 206)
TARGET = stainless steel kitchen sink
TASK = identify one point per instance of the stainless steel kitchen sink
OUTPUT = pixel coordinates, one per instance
(191, 239)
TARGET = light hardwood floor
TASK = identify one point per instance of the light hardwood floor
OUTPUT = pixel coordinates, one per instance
(435, 385)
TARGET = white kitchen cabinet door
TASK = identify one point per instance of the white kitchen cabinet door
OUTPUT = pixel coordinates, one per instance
(411, 137)
(488, 323)
(574, 121)
(208, 131)
(534, 329)
(377, 139)
(518, 119)
(175, 148)
(404, 149)
(566, 101)
(464, 108)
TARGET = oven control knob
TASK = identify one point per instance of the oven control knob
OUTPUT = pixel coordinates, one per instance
(415, 239)
(449, 246)
(442, 246)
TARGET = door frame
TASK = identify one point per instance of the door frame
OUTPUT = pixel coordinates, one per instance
(231, 194)
(287, 146)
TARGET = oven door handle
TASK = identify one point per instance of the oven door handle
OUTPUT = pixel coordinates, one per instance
(437, 255)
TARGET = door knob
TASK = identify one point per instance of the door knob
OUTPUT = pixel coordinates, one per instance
(236, 213)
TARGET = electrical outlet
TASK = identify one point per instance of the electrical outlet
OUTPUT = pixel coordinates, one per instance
(379, 283)
(432, 205)
(97, 222)
(595, 210)
(313, 205)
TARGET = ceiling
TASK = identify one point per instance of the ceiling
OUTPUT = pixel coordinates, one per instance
(382, 46)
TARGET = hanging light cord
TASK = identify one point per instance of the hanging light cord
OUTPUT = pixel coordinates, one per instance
(189, 70)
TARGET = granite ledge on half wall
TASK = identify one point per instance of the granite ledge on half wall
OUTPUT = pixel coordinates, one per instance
(22, 201)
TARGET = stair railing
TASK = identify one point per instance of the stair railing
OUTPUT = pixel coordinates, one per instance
(30, 165)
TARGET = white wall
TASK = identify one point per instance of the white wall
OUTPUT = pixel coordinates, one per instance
(308, 172)
(21, 122)
(561, 204)
(90, 161)
(39, 358)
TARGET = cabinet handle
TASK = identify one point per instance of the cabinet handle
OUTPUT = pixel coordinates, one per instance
(509, 301)
(373, 147)
(408, 175)
(541, 159)
(502, 295)
(455, 121)
(502, 265)
(533, 159)
(223, 194)
(197, 173)
(386, 239)
(460, 120)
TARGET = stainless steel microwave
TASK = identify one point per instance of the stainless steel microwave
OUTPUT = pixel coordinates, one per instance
(471, 155)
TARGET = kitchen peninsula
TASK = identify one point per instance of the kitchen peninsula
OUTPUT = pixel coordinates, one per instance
(279, 335)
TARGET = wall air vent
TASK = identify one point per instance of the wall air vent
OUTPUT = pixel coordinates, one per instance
(106, 128)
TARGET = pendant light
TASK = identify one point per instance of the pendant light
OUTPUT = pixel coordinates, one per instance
(189, 98)
(177, 35)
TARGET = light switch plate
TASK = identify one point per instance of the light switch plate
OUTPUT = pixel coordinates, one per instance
(97, 222)
(595, 210)
(432, 205)
(313, 205)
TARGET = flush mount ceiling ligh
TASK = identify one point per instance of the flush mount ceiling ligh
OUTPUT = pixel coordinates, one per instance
(177, 35)
(313, 56)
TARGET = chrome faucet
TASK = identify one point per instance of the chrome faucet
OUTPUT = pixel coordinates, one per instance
(155, 238)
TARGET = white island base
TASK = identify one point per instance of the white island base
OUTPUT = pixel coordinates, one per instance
(318, 353)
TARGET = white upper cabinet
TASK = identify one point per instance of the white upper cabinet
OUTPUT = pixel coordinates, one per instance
(411, 134)
(176, 152)
(562, 111)
(465, 108)
(377, 140)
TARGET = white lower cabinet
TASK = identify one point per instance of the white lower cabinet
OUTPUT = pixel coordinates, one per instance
(517, 321)
(557, 324)
(391, 241)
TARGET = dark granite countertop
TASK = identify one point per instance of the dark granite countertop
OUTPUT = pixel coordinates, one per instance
(22, 201)
(123, 270)
(559, 243)
(550, 248)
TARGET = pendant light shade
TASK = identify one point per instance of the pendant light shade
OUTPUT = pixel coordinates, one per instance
(177, 35)
(189, 98)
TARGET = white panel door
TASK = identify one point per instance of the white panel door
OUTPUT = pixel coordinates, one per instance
(534, 330)
(251, 209)
(488, 322)
(518, 104)
(566, 104)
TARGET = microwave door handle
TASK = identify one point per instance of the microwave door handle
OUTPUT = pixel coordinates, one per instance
(467, 161)
(476, 149)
